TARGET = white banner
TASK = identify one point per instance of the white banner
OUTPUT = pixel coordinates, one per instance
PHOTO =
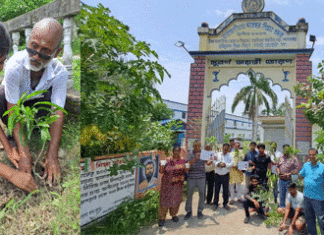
(207, 155)
(101, 193)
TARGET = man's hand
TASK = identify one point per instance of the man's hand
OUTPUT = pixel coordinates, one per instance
(256, 204)
(13, 156)
(24, 163)
(24, 181)
(290, 230)
(282, 227)
(52, 171)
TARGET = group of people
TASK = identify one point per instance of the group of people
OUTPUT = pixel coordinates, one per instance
(33, 69)
(301, 208)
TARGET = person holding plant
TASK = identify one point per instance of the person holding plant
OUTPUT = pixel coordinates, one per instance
(261, 165)
(294, 210)
(196, 179)
(171, 186)
(22, 180)
(32, 70)
(252, 201)
(275, 155)
(313, 175)
(249, 158)
(223, 163)
(287, 166)
(236, 175)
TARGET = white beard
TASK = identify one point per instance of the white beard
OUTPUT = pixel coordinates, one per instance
(39, 68)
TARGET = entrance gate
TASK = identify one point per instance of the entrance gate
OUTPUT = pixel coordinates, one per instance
(257, 41)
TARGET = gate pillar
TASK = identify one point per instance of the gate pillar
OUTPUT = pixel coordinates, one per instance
(196, 98)
(303, 130)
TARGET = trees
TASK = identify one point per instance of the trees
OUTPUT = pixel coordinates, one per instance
(314, 108)
(10, 9)
(280, 111)
(253, 96)
(117, 84)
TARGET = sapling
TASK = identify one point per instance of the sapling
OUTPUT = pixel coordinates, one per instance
(26, 115)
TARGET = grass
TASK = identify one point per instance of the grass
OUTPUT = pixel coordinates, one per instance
(129, 217)
(50, 210)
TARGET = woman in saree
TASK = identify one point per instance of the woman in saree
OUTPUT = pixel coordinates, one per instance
(22, 180)
(172, 186)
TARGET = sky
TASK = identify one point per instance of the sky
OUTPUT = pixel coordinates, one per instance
(163, 23)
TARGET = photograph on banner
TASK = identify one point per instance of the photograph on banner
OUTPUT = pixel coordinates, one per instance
(243, 165)
(207, 155)
(148, 176)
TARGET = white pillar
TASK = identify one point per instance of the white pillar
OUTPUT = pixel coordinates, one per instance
(27, 34)
(15, 40)
(68, 55)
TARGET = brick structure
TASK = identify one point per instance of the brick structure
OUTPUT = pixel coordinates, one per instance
(303, 130)
(196, 98)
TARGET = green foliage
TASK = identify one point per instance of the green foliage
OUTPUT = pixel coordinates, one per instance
(117, 83)
(160, 111)
(213, 142)
(10, 9)
(280, 111)
(129, 217)
(314, 107)
(255, 95)
(26, 116)
(291, 151)
(227, 138)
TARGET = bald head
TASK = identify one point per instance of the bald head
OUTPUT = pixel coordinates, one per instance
(48, 31)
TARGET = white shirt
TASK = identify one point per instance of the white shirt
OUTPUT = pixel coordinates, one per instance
(227, 159)
(296, 202)
(17, 79)
(277, 154)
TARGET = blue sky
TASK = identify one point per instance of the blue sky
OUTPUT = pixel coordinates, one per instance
(163, 23)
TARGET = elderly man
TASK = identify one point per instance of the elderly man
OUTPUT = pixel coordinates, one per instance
(196, 179)
(313, 175)
(32, 70)
(22, 180)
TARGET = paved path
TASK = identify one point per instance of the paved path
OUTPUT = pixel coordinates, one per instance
(218, 222)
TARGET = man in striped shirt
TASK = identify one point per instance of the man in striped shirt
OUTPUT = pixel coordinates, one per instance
(196, 178)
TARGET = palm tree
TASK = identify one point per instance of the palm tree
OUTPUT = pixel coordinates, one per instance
(253, 96)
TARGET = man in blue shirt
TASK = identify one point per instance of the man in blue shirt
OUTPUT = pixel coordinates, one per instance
(253, 153)
(313, 174)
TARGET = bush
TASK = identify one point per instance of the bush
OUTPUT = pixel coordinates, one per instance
(129, 216)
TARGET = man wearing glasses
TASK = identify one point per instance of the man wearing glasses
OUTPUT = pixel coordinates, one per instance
(32, 70)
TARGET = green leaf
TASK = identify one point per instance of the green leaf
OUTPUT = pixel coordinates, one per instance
(45, 135)
(51, 105)
(35, 93)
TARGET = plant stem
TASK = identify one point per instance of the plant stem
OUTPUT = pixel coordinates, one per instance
(40, 154)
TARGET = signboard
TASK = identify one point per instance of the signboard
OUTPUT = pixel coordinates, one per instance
(259, 34)
(100, 192)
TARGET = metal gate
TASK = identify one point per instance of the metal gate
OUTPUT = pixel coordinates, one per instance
(216, 119)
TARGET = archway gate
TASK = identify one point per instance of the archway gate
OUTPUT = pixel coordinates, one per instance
(257, 41)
